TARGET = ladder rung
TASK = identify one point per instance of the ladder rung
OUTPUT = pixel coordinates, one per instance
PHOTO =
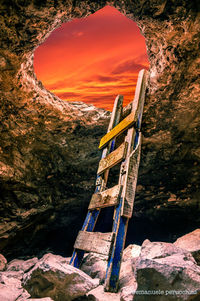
(113, 158)
(106, 198)
(118, 129)
(96, 242)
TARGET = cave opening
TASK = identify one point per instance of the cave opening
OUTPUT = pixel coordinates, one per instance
(93, 59)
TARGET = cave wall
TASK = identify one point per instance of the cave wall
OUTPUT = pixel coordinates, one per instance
(48, 150)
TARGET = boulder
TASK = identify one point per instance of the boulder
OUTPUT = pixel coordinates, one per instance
(98, 294)
(3, 262)
(165, 272)
(21, 265)
(12, 274)
(11, 289)
(127, 281)
(191, 243)
(95, 266)
(131, 252)
(40, 299)
(9, 293)
(53, 277)
(127, 293)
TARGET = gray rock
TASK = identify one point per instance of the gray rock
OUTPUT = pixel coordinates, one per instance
(41, 299)
(98, 294)
(53, 277)
(11, 289)
(3, 262)
(191, 243)
(126, 273)
(9, 293)
(12, 274)
(127, 293)
(131, 252)
(127, 281)
(95, 266)
(21, 265)
(166, 272)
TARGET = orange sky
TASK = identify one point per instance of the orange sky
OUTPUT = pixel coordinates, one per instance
(93, 59)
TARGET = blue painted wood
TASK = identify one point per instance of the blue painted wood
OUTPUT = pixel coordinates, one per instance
(117, 256)
(115, 228)
(88, 225)
(92, 216)
(120, 226)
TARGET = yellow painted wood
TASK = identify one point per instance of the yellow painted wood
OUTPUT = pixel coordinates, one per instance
(96, 242)
(113, 158)
(106, 198)
(118, 129)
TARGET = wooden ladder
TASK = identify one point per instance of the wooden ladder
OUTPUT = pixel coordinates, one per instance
(122, 195)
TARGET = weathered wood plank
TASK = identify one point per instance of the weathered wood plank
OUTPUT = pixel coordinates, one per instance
(96, 242)
(116, 112)
(92, 215)
(138, 102)
(106, 198)
(113, 158)
(131, 180)
(116, 131)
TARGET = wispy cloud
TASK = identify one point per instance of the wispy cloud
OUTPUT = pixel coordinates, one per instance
(128, 66)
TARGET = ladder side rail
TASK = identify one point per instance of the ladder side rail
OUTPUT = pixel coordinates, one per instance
(121, 222)
(130, 182)
(115, 119)
(92, 216)
(120, 226)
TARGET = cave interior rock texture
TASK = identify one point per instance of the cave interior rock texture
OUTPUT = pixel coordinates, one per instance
(48, 148)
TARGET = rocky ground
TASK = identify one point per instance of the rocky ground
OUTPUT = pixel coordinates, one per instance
(154, 271)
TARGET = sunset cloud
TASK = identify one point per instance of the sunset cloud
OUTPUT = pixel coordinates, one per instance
(93, 59)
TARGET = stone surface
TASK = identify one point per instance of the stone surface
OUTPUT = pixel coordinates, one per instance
(191, 243)
(127, 293)
(21, 265)
(9, 293)
(53, 277)
(11, 289)
(98, 294)
(95, 266)
(47, 167)
(166, 272)
(131, 252)
(127, 281)
(12, 274)
(3, 262)
(40, 299)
